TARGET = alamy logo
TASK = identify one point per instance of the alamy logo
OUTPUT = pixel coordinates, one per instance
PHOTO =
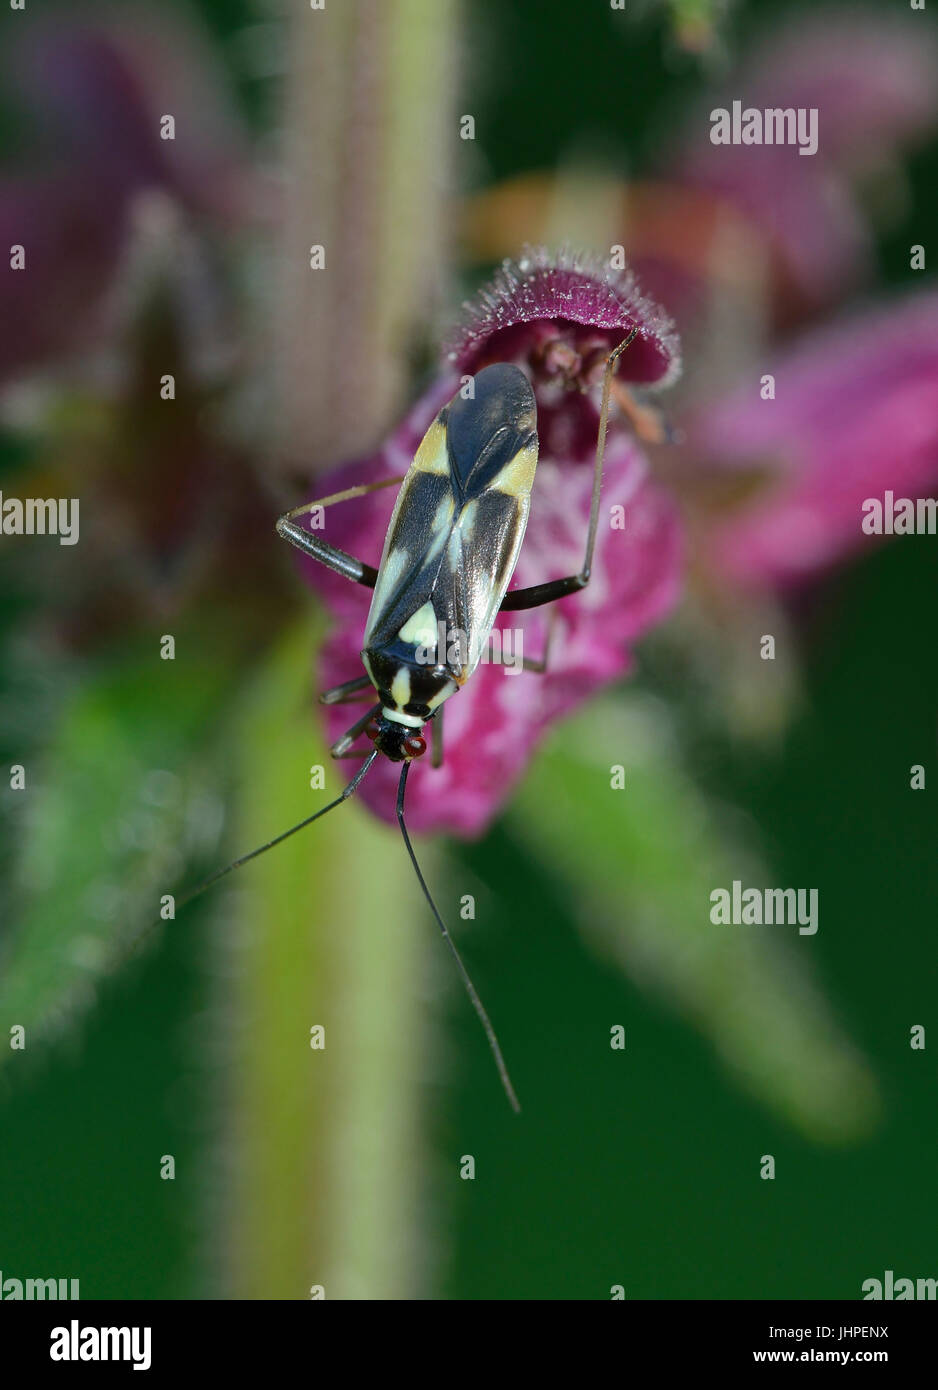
(40, 516)
(439, 643)
(758, 907)
(29, 1289)
(776, 125)
(899, 516)
(889, 1288)
(77, 1343)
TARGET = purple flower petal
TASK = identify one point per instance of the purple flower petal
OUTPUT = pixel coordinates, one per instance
(873, 79)
(543, 304)
(71, 244)
(104, 88)
(101, 91)
(874, 83)
(855, 414)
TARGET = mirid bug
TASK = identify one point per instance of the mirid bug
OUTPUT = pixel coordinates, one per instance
(450, 551)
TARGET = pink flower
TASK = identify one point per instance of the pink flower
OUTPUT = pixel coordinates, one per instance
(855, 414)
(98, 91)
(558, 320)
(874, 84)
(572, 300)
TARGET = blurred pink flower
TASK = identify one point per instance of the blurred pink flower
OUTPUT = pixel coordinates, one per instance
(98, 91)
(855, 414)
(558, 319)
(856, 403)
(874, 83)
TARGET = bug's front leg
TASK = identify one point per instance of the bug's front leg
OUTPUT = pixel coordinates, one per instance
(538, 594)
(342, 694)
(342, 747)
(330, 555)
(436, 736)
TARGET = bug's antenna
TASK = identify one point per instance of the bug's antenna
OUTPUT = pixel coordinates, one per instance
(470, 987)
(262, 849)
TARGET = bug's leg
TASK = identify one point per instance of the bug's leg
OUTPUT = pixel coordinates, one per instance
(537, 594)
(540, 664)
(346, 565)
(649, 422)
(436, 737)
(533, 663)
(348, 690)
(343, 744)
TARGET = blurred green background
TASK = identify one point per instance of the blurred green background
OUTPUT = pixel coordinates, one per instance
(640, 1167)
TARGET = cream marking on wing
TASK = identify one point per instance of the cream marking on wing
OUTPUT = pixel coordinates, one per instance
(517, 477)
(431, 455)
(464, 525)
(444, 513)
(420, 629)
(467, 516)
(390, 576)
(454, 548)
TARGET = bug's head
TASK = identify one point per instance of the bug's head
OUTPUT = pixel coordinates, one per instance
(396, 741)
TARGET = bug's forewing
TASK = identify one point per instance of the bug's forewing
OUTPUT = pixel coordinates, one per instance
(459, 521)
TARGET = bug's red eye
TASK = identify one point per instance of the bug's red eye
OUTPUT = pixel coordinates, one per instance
(414, 745)
(372, 729)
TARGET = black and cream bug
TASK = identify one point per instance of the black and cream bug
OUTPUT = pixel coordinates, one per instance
(450, 551)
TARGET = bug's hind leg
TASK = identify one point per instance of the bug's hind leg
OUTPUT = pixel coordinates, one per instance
(346, 692)
(330, 555)
(538, 594)
(342, 745)
(531, 663)
(540, 664)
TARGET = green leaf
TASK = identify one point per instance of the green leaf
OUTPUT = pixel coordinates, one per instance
(639, 865)
(110, 815)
